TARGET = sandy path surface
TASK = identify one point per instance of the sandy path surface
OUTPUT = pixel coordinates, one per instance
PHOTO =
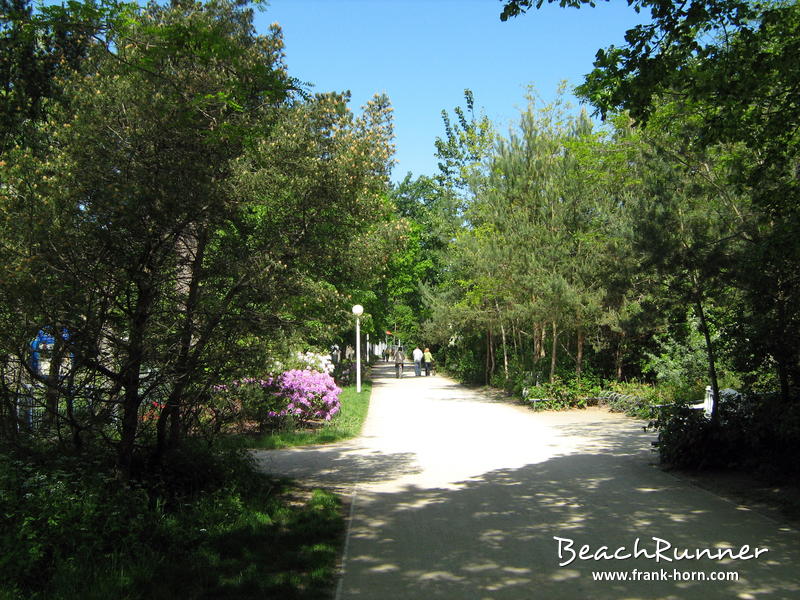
(454, 495)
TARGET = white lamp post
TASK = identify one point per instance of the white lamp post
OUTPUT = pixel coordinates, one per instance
(358, 310)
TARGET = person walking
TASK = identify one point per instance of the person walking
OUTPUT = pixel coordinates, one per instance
(427, 358)
(399, 359)
(417, 354)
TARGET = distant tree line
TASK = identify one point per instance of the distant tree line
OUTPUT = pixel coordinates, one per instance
(660, 246)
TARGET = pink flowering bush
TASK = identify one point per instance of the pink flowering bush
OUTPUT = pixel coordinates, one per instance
(292, 398)
(309, 395)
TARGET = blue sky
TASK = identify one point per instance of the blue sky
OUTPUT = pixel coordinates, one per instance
(424, 53)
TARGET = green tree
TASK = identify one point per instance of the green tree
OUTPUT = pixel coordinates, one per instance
(689, 223)
(427, 219)
(727, 66)
(467, 141)
(38, 49)
(529, 260)
(191, 211)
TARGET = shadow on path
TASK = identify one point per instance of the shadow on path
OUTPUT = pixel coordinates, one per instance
(458, 497)
(493, 537)
(338, 466)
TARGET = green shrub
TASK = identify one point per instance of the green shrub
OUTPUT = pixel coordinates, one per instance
(57, 513)
(755, 431)
(635, 399)
(685, 437)
(347, 424)
(462, 362)
(562, 393)
(195, 469)
(680, 367)
(202, 525)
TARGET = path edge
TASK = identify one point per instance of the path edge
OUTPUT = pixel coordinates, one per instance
(346, 549)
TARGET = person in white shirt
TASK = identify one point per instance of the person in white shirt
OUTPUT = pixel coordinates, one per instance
(417, 354)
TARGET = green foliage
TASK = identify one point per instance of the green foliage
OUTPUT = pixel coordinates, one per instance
(562, 394)
(637, 399)
(347, 424)
(544, 267)
(71, 529)
(40, 47)
(686, 439)
(49, 516)
(462, 360)
(711, 85)
(680, 365)
(192, 268)
(425, 221)
(467, 141)
(756, 431)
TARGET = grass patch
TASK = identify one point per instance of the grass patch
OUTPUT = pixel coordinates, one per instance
(346, 425)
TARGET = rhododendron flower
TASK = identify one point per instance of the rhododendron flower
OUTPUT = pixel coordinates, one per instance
(303, 394)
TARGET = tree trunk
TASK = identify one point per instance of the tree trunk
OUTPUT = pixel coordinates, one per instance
(487, 368)
(492, 355)
(514, 339)
(538, 342)
(130, 416)
(619, 355)
(712, 366)
(130, 377)
(10, 384)
(503, 334)
(193, 252)
(783, 377)
(553, 353)
(579, 355)
(74, 424)
(53, 377)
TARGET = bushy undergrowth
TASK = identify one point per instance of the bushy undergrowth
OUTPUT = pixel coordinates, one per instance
(635, 399)
(562, 393)
(568, 391)
(462, 362)
(345, 372)
(206, 527)
(755, 431)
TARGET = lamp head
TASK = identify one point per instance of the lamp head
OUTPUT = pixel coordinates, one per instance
(358, 310)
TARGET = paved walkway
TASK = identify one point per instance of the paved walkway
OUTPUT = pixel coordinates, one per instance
(455, 496)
